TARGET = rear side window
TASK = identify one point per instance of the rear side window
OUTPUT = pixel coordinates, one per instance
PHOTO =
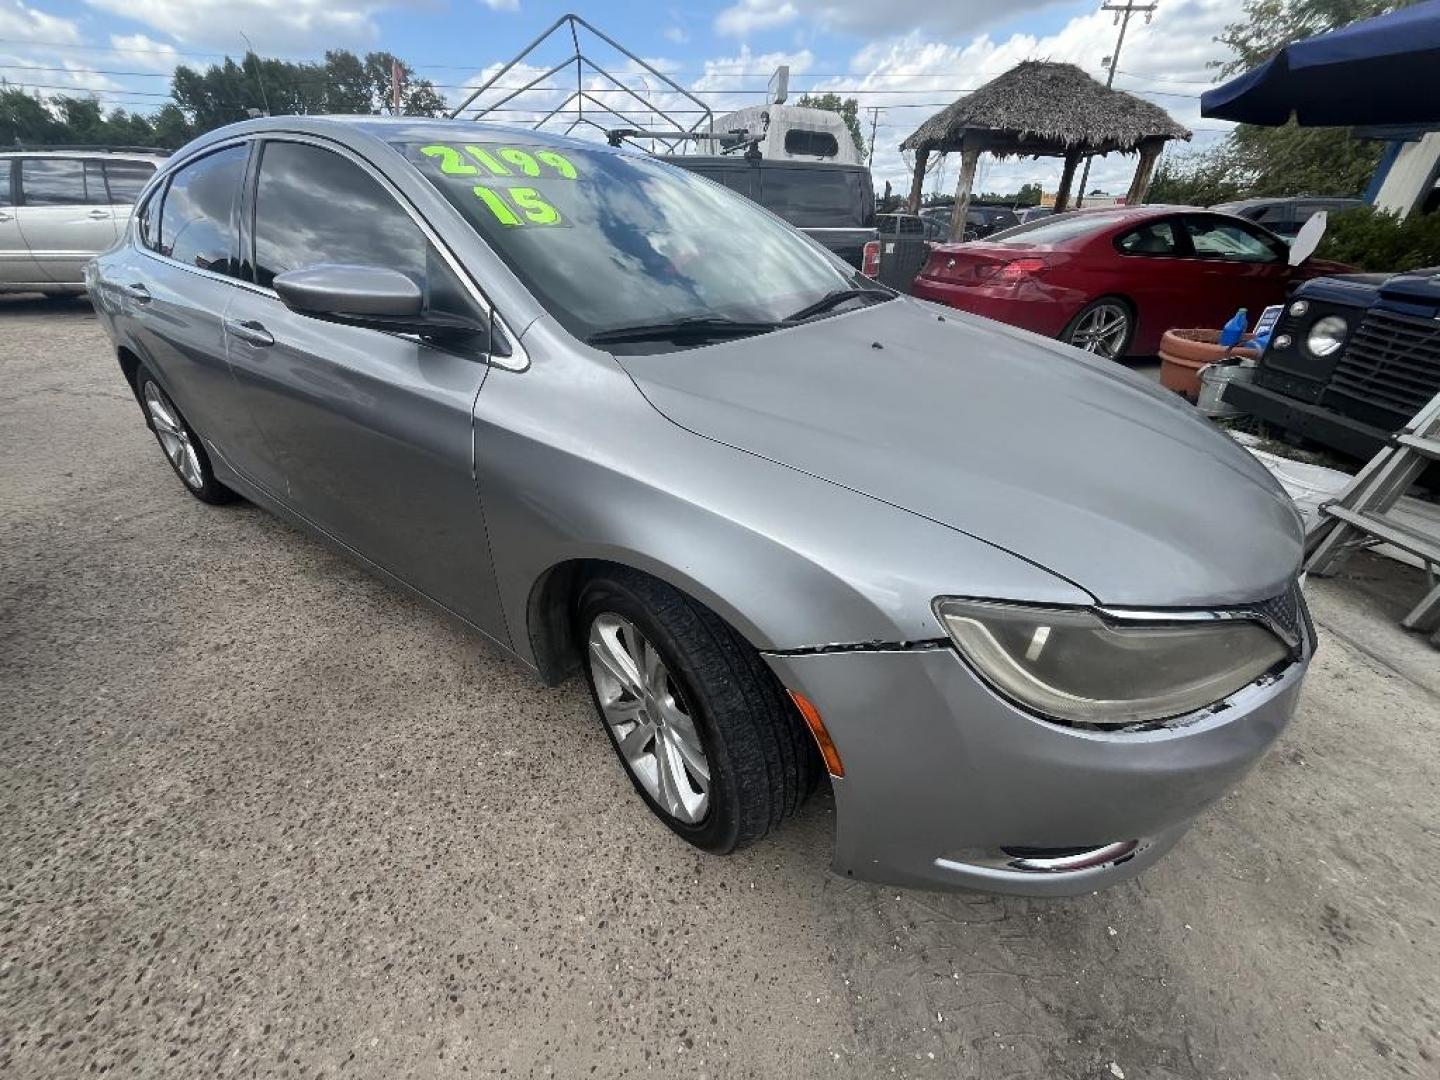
(1057, 229)
(197, 219)
(6, 171)
(1152, 238)
(816, 198)
(811, 143)
(314, 206)
(126, 179)
(61, 182)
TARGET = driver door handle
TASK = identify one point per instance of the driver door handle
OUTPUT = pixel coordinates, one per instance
(250, 330)
(98, 215)
(137, 292)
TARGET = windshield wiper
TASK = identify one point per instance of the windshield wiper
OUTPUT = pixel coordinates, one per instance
(835, 299)
(680, 329)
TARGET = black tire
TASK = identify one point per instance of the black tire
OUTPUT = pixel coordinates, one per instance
(1117, 303)
(201, 482)
(763, 760)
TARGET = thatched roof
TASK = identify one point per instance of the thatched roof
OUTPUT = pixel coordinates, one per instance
(1042, 108)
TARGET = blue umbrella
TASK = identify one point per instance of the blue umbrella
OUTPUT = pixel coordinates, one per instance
(1378, 71)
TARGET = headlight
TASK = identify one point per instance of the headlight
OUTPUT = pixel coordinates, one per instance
(1077, 665)
(1327, 335)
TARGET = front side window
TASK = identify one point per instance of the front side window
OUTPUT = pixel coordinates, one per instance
(1216, 238)
(197, 219)
(606, 239)
(314, 206)
(60, 182)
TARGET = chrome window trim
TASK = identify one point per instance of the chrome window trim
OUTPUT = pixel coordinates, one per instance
(518, 360)
(1160, 616)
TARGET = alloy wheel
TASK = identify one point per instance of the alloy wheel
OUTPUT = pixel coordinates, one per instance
(649, 718)
(1102, 330)
(174, 437)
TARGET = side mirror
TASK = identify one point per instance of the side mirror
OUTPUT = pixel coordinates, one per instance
(1308, 238)
(370, 296)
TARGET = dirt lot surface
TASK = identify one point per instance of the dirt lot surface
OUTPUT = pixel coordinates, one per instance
(263, 816)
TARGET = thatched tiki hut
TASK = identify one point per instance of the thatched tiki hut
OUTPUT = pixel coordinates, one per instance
(1041, 109)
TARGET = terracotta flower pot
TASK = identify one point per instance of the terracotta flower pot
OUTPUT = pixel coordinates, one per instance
(1184, 352)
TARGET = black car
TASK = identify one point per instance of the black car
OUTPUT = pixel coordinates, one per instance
(1353, 359)
(1285, 216)
(980, 221)
(834, 204)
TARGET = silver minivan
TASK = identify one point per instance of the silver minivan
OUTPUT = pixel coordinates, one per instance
(60, 208)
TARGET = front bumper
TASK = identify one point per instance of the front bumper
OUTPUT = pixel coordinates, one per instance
(1329, 428)
(942, 776)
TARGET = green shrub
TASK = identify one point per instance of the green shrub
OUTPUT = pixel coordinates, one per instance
(1368, 239)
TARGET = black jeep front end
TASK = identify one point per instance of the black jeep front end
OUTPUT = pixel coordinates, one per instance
(1352, 396)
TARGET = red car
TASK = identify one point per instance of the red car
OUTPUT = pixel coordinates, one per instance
(1113, 280)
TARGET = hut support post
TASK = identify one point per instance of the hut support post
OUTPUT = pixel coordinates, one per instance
(968, 160)
(1149, 154)
(918, 184)
(1062, 197)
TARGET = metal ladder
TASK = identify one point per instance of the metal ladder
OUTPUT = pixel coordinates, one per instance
(1360, 515)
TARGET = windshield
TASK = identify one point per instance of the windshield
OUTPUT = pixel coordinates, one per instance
(1055, 229)
(607, 239)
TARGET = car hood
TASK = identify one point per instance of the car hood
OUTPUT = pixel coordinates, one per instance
(1072, 463)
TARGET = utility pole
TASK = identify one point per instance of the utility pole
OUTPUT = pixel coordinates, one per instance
(1122, 17)
(395, 79)
(874, 119)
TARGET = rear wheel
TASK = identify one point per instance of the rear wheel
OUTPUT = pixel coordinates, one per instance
(701, 725)
(1104, 327)
(182, 446)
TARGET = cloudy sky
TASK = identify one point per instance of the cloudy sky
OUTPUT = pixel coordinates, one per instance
(906, 58)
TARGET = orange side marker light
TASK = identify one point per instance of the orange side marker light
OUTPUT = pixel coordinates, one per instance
(817, 728)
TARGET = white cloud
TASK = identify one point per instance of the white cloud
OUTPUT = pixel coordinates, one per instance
(18, 22)
(1165, 59)
(869, 17)
(282, 26)
(143, 51)
(503, 5)
(676, 34)
(750, 15)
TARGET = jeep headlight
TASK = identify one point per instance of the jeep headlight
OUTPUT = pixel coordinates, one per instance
(1081, 665)
(1326, 335)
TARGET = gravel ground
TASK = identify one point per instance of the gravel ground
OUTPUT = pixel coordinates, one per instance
(263, 816)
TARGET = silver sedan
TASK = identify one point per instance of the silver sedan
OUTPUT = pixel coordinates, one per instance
(1026, 614)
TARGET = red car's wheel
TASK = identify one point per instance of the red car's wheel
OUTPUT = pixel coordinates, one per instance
(1104, 327)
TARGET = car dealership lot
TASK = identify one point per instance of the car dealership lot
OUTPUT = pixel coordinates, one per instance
(262, 814)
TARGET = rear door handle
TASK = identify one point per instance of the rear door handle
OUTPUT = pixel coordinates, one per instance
(98, 215)
(137, 292)
(250, 330)
(6, 217)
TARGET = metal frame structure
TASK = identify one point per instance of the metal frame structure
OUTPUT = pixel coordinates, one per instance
(673, 134)
(1360, 515)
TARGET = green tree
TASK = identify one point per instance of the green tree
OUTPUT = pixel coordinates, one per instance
(849, 108)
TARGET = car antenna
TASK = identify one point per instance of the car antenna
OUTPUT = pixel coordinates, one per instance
(259, 72)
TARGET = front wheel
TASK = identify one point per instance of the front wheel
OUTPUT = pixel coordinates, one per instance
(1103, 327)
(701, 725)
